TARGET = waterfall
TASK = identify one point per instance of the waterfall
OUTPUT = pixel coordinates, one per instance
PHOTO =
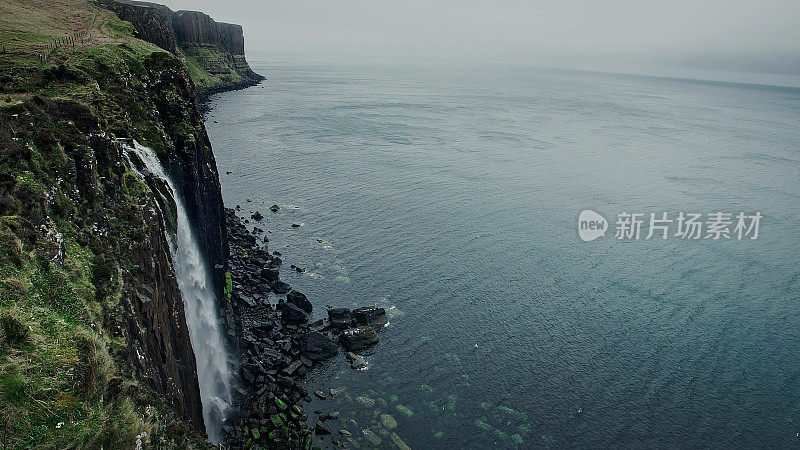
(194, 281)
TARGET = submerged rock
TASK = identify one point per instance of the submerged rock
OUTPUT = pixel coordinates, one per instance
(339, 317)
(373, 438)
(399, 442)
(300, 300)
(483, 425)
(366, 401)
(359, 338)
(404, 410)
(388, 422)
(316, 346)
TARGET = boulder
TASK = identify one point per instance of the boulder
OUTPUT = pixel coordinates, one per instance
(257, 216)
(292, 314)
(274, 208)
(280, 287)
(358, 338)
(339, 317)
(292, 368)
(300, 300)
(269, 275)
(370, 316)
(316, 346)
(357, 362)
(321, 428)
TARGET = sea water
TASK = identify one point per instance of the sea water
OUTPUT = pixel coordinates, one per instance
(450, 197)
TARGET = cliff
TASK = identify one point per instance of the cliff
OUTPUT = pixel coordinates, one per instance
(94, 346)
(213, 51)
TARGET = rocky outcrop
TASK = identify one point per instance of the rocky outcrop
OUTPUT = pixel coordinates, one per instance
(121, 230)
(215, 49)
(199, 28)
(152, 22)
(190, 161)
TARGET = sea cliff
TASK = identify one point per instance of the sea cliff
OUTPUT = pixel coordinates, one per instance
(213, 51)
(94, 346)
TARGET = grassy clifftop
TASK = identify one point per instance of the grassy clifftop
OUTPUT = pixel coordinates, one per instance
(93, 345)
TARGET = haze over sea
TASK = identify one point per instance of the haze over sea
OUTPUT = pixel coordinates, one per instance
(450, 196)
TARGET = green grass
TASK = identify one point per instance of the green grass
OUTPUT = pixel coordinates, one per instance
(67, 227)
(201, 60)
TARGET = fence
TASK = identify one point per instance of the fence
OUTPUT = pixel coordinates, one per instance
(64, 42)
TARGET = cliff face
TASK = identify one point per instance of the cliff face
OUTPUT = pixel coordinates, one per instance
(199, 28)
(152, 22)
(213, 51)
(87, 287)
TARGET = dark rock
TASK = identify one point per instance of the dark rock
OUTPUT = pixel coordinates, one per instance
(292, 368)
(339, 317)
(269, 275)
(280, 287)
(316, 346)
(257, 216)
(274, 208)
(357, 362)
(293, 314)
(300, 300)
(248, 376)
(263, 288)
(295, 225)
(371, 316)
(321, 428)
(359, 338)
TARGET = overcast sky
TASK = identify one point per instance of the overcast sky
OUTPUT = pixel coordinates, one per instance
(752, 35)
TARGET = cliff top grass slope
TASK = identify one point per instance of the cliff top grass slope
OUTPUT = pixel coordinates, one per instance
(94, 349)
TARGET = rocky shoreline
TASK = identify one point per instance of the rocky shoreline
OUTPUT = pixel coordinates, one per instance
(269, 324)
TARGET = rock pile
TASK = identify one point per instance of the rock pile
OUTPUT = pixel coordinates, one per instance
(269, 321)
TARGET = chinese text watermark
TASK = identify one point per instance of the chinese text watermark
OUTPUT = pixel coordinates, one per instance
(690, 226)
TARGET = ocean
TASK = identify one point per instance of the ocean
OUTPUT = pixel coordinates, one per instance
(450, 196)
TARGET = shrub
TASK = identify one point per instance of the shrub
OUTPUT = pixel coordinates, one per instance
(12, 386)
(12, 330)
(95, 366)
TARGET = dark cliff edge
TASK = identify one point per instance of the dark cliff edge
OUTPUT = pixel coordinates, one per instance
(213, 51)
(94, 346)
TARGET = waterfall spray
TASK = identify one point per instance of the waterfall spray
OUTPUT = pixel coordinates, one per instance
(199, 300)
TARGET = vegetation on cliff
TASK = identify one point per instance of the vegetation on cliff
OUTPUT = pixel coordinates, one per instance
(94, 349)
(213, 51)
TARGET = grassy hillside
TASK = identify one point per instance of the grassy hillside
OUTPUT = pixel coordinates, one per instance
(70, 215)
